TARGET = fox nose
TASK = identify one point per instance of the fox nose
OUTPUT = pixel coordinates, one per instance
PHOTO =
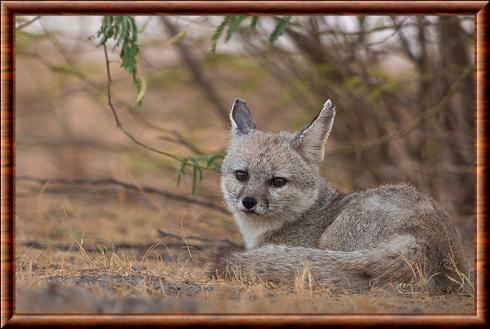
(249, 202)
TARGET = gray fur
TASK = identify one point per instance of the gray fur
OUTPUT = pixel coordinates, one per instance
(346, 241)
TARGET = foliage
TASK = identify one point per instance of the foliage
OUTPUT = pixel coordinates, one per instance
(123, 30)
(198, 163)
(231, 24)
(280, 28)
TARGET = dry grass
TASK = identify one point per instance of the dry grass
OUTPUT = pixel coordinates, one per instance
(105, 282)
(109, 281)
(421, 281)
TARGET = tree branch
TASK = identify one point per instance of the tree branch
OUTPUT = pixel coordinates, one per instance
(128, 134)
(125, 185)
(404, 41)
(23, 25)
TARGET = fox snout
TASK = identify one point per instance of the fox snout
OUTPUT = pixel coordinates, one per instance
(250, 204)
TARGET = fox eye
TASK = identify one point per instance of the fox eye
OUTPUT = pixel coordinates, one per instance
(241, 175)
(278, 181)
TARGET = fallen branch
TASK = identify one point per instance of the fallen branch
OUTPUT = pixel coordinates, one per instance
(125, 185)
(139, 247)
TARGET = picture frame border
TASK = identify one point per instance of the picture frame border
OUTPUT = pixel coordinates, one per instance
(11, 9)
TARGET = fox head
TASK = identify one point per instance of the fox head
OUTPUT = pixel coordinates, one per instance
(273, 176)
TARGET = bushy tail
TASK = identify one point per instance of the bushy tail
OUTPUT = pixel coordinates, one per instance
(401, 260)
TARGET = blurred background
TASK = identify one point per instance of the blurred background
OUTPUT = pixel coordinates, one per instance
(403, 87)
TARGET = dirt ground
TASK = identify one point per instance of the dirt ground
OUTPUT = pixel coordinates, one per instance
(88, 244)
(75, 282)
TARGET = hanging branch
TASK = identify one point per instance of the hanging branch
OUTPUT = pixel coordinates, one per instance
(118, 122)
(123, 30)
(211, 161)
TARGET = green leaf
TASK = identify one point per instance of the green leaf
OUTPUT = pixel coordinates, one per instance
(63, 68)
(253, 24)
(212, 159)
(218, 32)
(181, 170)
(233, 25)
(196, 176)
(194, 181)
(280, 28)
(141, 86)
(124, 31)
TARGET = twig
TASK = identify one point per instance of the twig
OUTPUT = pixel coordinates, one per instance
(128, 134)
(404, 42)
(396, 29)
(164, 234)
(21, 26)
(369, 31)
(125, 185)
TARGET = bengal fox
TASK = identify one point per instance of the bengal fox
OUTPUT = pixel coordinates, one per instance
(292, 219)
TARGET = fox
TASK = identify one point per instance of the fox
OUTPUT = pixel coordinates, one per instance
(292, 219)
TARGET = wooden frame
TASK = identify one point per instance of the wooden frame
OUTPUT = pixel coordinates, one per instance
(9, 9)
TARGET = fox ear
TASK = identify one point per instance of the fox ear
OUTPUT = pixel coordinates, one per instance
(241, 118)
(310, 140)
